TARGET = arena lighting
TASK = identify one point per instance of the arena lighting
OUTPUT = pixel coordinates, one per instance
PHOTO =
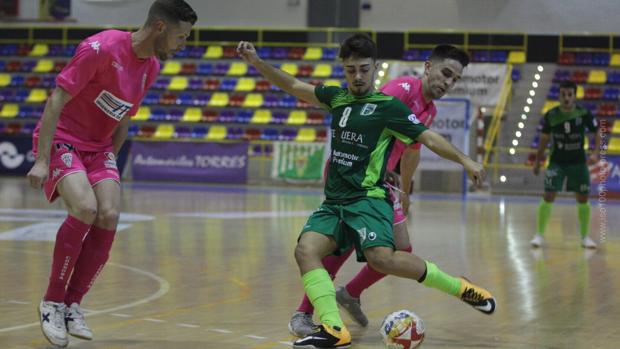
(540, 68)
(515, 142)
(521, 125)
(537, 76)
(529, 101)
(534, 84)
(523, 116)
(526, 109)
(381, 73)
(483, 110)
(377, 82)
(512, 151)
(518, 134)
(385, 65)
(532, 93)
(502, 178)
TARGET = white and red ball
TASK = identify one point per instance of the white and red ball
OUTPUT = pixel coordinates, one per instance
(402, 329)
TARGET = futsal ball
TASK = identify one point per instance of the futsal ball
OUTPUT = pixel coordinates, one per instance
(402, 329)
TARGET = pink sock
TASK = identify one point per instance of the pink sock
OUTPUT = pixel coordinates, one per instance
(66, 251)
(332, 264)
(366, 278)
(94, 255)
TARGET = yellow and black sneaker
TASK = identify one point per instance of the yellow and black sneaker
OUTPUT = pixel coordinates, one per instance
(325, 337)
(477, 297)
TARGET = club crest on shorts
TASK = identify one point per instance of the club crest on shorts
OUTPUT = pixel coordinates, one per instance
(67, 159)
(413, 119)
(368, 109)
(110, 161)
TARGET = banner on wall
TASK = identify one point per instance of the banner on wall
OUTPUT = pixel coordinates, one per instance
(16, 156)
(298, 161)
(481, 83)
(605, 175)
(452, 122)
(190, 161)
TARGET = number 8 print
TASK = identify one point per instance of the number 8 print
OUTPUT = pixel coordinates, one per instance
(345, 117)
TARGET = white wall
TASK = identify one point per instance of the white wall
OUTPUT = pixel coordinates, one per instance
(525, 16)
(235, 13)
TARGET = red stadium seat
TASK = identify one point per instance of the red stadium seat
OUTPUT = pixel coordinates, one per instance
(146, 131)
(188, 68)
(209, 115)
(236, 100)
(211, 84)
(296, 53)
(262, 85)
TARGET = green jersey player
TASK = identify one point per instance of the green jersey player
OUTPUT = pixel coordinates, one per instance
(566, 125)
(357, 211)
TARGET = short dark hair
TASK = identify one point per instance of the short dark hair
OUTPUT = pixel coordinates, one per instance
(569, 84)
(171, 11)
(444, 51)
(358, 46)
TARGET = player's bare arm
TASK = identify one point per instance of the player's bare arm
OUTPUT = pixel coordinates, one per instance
(540, 153)
(440, 146)
(38, 173)
(283, 80)
(120, 135)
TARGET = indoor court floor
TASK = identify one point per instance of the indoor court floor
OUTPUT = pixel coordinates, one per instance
(213, 267)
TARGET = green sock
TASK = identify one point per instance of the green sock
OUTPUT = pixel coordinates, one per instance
(583, 211)
(321, 292)
(544, 212)
(436, 278)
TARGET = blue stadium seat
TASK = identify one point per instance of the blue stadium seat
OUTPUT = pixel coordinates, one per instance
(228, 84)
(269, 134)
(244, 116)
(288, 101)
(264, 52)
(133, 130)
(279, 53)
(199, 132)
(270, 101)
(611, 93)
(151, 98)
(329, 54)
(234, 133)
(185, 99)
(226, 116)
(279, 117)
(182, 132)
(204, 69)
(516, 75)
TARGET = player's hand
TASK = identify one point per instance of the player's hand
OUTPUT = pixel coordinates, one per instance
(536, 168)
(475, 171)
(247, 52)
(594, 159)
(38, 174)
(392, 178)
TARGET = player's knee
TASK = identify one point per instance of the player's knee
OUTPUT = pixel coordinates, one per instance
(303, 252)
(85, 211)
(379, 259)
(108, 217)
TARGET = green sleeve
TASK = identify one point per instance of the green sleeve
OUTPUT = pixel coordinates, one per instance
(546, 129)
(402, 123)
(325, 94)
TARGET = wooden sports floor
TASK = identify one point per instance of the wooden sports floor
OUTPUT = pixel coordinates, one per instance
(213, 267)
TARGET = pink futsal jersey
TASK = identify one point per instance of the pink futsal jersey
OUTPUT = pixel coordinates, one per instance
(107, 82)
(409, 90)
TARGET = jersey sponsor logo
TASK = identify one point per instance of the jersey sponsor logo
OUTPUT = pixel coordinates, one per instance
(95, 46)
(413, 119)
(368, 109)
(344, 159)
(67, 159)
(112, 106)
(362, 233)
(405, 85)
(350, 136)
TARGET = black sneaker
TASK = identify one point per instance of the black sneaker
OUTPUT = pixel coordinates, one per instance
(325, 337)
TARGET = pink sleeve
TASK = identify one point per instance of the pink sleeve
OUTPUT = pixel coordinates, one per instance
(82, 67)
(394, 88)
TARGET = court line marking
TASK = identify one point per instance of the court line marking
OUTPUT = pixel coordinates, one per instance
(153, 320)
(120, 315)
(242, 214)
(164, 287)
(17, 302)
(253, 336)
(187, 325)
(219, 330)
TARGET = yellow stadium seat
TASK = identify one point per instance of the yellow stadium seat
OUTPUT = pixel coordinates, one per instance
(313, 53)
(192, 114)
(290, 68)
(9, 110)
(213, 52)
(516, 57)
(245, 84)
(616, 128)
(216, 133)
(143, 114)
(549, 105)
(261, 116)
(322, 71)
(332, 82)
(253, 100)
(39, 50)
(237, 69)
(5, 80)
(306, 135)
(597, 77)
(178, 83)
(615, 60)
(37, 95)
(297, 117)
(580, 92)
(218, 99)
(164, 131)
(43, 66)
(614, 145)
(171, 68)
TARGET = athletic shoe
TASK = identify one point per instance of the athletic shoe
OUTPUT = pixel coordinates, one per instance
(76, 325)
(52, 317)
(352, 306)
(301, 324)
(587, 242)
(325, 337)
(537, 241)
(477, 297)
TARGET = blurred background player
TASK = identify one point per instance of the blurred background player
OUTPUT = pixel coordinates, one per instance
(442, 70)
(82, 128)
(356, 210)
(566, 125)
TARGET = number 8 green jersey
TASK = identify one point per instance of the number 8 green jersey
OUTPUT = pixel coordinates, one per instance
(363, 131)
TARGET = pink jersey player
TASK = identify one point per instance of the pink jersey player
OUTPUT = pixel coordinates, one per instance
(83, 126)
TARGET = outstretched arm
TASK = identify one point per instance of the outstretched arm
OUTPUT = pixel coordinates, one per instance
(440, 146)
(283, 80)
